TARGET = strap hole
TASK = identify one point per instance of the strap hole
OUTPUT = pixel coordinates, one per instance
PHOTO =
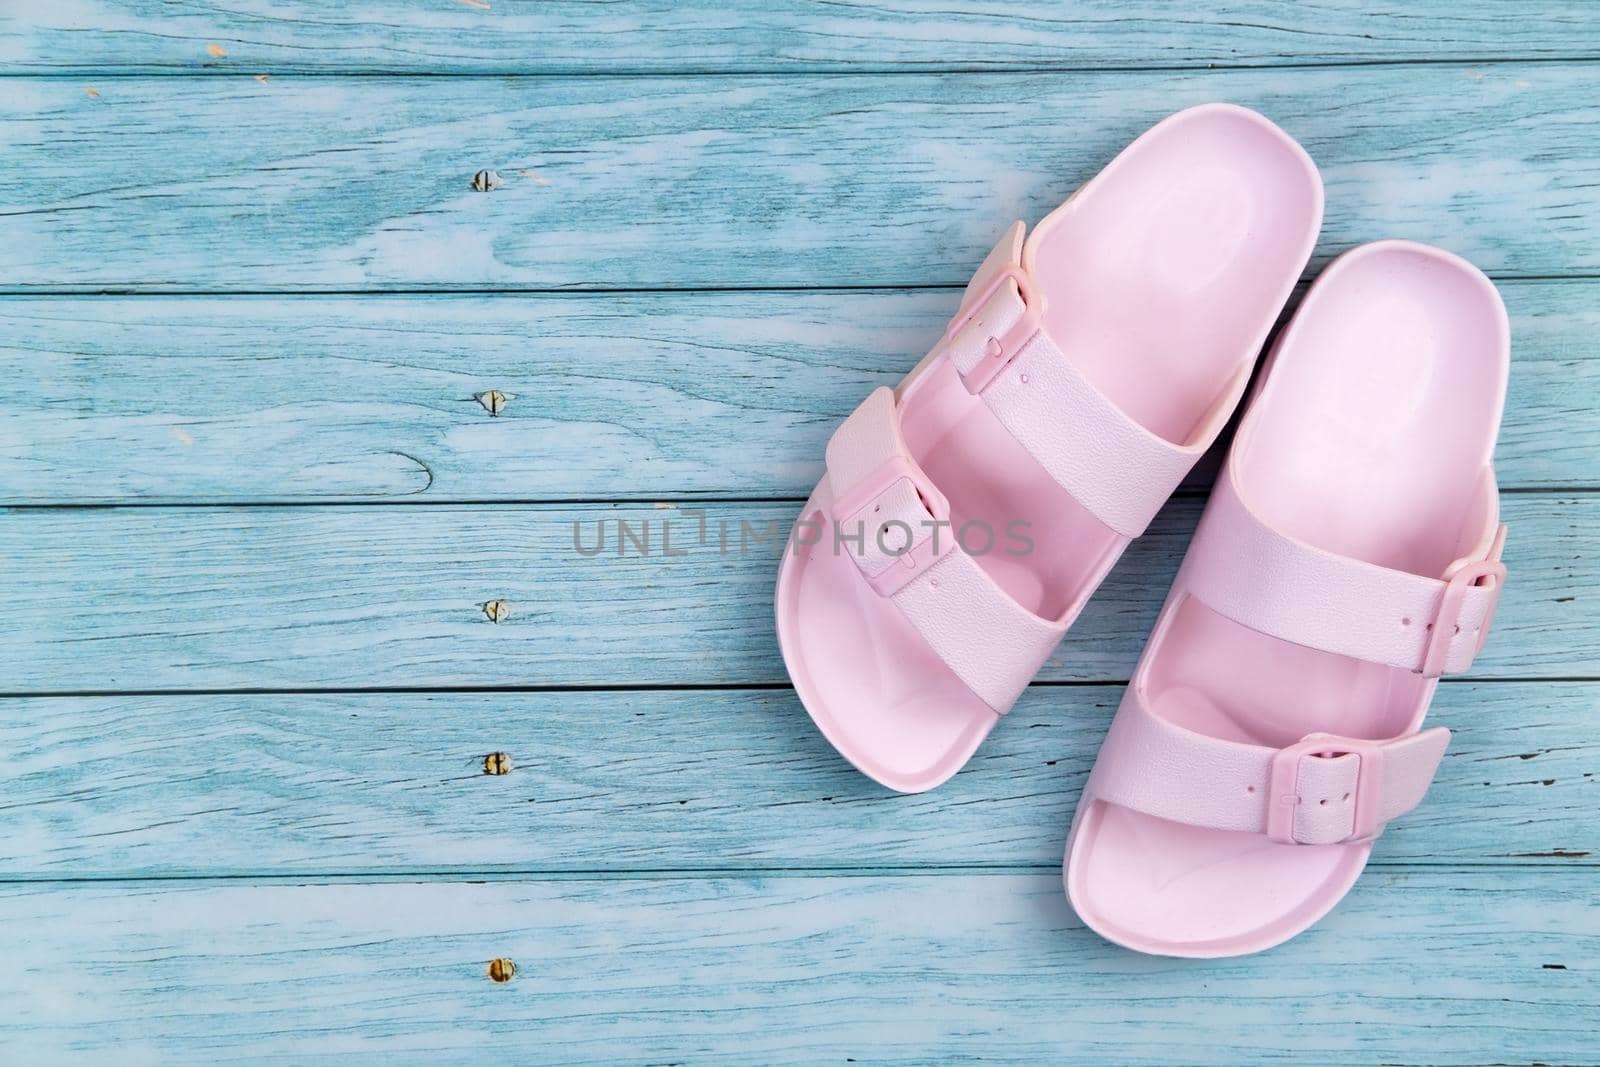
(1249, 789)
(1347, 798)
(1405, 622)
(1455, 629)
(1323, 802)
(1023, 379)
(993, 347)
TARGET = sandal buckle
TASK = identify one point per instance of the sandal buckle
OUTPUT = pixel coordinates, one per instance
(1447, 621)
(918, 556)
(1283, 786)
(1004, 348)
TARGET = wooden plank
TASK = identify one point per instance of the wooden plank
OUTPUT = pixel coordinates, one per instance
(229, 184)
(1549, 397)
(378, 596)
(711, 780)
(1414, 967)
(477, 37)
(273, 399)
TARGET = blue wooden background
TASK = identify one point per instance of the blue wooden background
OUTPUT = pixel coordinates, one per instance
(295, 426)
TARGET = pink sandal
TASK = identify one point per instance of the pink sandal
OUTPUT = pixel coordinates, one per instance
(1349, 555)
(1083, 375)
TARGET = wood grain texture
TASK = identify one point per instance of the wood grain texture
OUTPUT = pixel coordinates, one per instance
(537, 36)
(626, 395)
(713, 780)
(1437, 967)
(381, 596)
(229, 184)
(209, 863)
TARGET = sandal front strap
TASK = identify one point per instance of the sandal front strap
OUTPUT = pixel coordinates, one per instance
(1259, 577)
(1321, 790)
(1001, 346)
(895, 524)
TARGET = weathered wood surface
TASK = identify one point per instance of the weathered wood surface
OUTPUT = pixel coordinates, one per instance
(622, 395)
(536, 36)
(231, 184)
(1421, 966)
(377, 596)
(306, 784)
(682, 875)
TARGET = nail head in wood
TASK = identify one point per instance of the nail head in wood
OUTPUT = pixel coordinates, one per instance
(497, 610)
(485, 180)
(502, 970)
(494, 401)
(497, 763)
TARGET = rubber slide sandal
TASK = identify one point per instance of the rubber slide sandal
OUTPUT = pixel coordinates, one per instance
(966, 516)
(1348, 556)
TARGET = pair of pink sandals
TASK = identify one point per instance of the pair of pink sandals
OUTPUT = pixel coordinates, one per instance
(1349, 555)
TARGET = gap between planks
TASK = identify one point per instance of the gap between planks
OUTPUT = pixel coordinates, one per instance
(454, 876)
(639, 687)
(788, 71)
(115, 292)
(690, 501)
(110, 292)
